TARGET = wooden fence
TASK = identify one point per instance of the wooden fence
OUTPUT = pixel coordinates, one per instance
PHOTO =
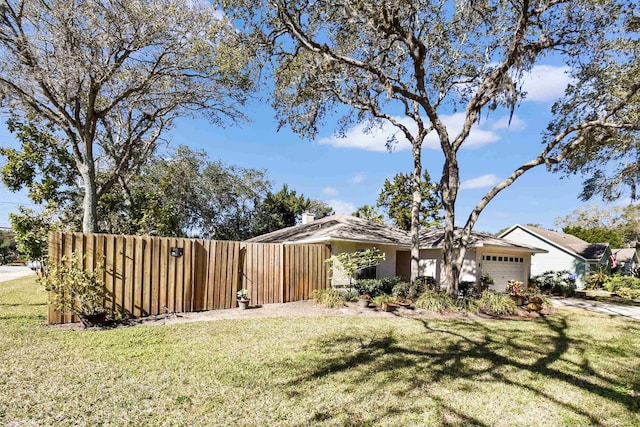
(153, 275)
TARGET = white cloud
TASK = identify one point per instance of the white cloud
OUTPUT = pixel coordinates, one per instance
(545, 83)
(358, 178)
(330, 191)
(479, 182)
(375, 139)
(342, 207)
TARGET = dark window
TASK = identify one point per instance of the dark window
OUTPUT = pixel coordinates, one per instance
(367, 273)
(494, 258)
(499, 258)
(510, 259)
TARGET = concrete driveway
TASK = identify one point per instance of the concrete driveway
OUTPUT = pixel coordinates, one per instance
(629, 311)
(10, 272)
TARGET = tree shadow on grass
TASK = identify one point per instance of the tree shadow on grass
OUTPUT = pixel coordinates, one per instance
(472, 350)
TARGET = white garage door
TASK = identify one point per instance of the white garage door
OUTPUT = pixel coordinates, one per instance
(503, 268)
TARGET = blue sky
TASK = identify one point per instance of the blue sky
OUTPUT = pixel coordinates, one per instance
(349, 172)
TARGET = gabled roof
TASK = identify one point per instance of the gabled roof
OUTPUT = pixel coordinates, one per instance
(337, 227)
(568, 242)
(625, 254)
(432, 238)
(353, 229)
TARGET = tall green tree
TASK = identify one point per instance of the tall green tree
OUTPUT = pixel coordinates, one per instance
(109, 78)
(396, 198)
(370, 213)
(596, 235)
(408, 64)
(284, 208)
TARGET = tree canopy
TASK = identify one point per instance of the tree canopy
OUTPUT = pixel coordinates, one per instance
(409, 63)
(369, 213)
(109, 78)
(396, 198)
(608, 223)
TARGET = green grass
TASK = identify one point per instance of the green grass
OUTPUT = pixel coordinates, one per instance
(568, 369)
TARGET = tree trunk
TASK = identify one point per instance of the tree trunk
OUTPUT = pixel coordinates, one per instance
(415, 213)
(449, 186)
(90, 200)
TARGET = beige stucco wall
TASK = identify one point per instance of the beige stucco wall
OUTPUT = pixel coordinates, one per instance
(386, 267)
(431, 265)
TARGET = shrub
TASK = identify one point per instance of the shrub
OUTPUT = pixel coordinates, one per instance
(555, 282)
(375, 287)
(384, 298)
(597, 279)
(497, 303)
(467, 289)
(629, 293)
(467, 304)
(330, 298)
(406, 290)
(437, 301)
(427, 283)
(614, 283)
(75, 290)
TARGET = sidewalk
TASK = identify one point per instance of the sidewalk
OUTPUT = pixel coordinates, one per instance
(629, 311)
(10, 272)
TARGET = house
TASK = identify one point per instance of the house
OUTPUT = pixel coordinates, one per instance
(486, 254)
(627, 259)
(563, 251)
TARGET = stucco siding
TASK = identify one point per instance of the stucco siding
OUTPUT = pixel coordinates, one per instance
(386, 267)
(431, 265)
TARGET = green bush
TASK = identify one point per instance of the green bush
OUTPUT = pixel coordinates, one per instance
(555, 282)
(497, 303)
(330, 298)
(406, 290)
(375, 287)
(384, 298)
(467, 289)
(73, 289)
(614, 283)
(437, 301)
(467, 304)
(630, 293)
(428, 283)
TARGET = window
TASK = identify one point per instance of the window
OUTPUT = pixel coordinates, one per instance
(367, 273)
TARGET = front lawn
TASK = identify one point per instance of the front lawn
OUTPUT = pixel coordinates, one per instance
(568, 369)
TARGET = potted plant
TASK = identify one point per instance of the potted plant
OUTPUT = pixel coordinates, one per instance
(74, 290)
(386, 302)
(535, 303)
(364, 300)
(515, 291)
(243, 299)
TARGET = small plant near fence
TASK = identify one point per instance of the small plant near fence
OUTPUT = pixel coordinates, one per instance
(74, 290)
(330, 298)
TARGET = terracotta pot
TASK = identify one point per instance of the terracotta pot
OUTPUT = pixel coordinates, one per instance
(534, 306)
(388, 306)
(243, 304)
(363, 303)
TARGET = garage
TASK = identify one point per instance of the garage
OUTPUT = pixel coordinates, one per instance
(502, 268)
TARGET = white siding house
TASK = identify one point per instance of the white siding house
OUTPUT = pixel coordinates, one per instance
(562, 251)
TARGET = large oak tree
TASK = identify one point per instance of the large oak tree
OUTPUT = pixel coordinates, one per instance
(111, 76)
(409, 63)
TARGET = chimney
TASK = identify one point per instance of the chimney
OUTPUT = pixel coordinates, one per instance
(307, 217)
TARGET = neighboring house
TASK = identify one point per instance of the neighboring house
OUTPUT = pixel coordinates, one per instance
(486, 255)
(563, 251)
(627, 259)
